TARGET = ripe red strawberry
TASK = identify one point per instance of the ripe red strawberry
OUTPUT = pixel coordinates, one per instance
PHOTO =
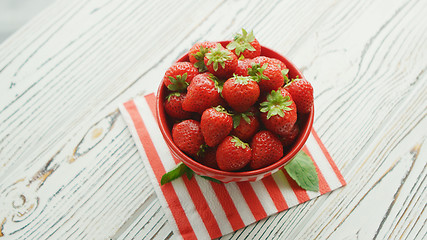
(289, 138)
(243, 67)
(263, 59)
(240, 92)
(221, 62)
(266, 149)
(282, 67)
(179, 75)
(278, 112)
(245, 45)
(207, 157)
(302, 93)
(269, 76)
(173, 106)
(245, 125)
(188, 137)
(233, 154)
(216, 123)
(202, 94)
(276, 61)
(197, 52)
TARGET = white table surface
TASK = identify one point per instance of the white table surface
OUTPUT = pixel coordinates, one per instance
(70, 170)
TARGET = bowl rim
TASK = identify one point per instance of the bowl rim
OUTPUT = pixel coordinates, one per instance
(166, 132)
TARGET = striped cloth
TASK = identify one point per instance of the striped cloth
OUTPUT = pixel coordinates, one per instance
(202, 209)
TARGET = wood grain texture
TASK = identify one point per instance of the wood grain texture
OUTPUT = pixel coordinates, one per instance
(69, 167)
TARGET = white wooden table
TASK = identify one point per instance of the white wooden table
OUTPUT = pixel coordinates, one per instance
(69, 167)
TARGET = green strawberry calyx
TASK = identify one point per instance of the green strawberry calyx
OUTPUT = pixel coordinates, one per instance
(219, 85)
(276, 104)
(218, 55)
(239, 143)
(202, 150)
(221, 109)
(257, 72)
(199, 56)
(237, 118)
(176, 94)
(178, 83)
(284, 74)
(242, 42)
(243, 80)
(289, 82)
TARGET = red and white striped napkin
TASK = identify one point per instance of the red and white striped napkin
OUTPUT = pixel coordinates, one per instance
(199, 208)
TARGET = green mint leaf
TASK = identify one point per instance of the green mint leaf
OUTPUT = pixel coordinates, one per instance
(179, 170)
(211, 179)
(189, 173)
(301, 168)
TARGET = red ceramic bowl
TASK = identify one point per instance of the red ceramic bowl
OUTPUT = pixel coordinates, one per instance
(305, 124)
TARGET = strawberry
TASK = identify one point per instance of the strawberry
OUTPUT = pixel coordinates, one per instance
(245, 45)
(216, 123)
(302, 93)
(188, 137)
(221, 62)
(263, 59)
(197, 52)
(202, 93)
(207, 156)
(269, 76)
(233, 154)
(243, 67)
(288, 138)
(276, 61)
(282, 67)
(240, 92)
(173, 106)
(278, 112)
(179, 75)
(266, 149)
(245, 125)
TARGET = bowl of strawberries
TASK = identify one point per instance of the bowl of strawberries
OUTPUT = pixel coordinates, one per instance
(234, 110)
